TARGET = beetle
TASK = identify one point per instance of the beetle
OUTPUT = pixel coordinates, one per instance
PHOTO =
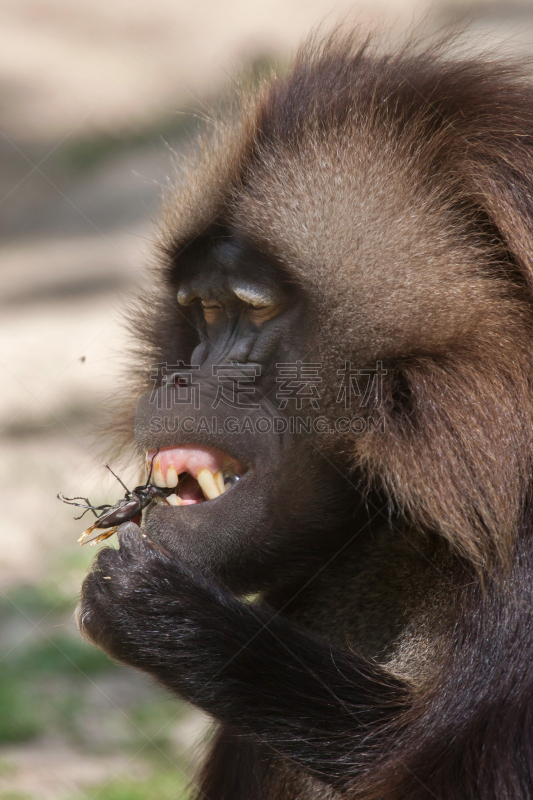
(129, 508)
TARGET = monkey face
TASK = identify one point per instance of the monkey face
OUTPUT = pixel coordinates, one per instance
(241, 448)
(340, 229)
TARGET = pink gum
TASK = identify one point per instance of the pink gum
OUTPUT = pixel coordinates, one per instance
(190, 459)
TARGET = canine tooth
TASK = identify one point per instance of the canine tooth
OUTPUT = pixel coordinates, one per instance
(208, 484)
(219, 480)
(174, 500)
(159, 478)
(172, 476)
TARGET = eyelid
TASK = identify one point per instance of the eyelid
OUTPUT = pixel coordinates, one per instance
(261, 314)
(185, 298)
(256, 298)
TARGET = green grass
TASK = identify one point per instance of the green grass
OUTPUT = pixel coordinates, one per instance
(57, 654)
(159, 786)
(155, 719)
(52, 683)
(19, 714)
(40, 686)
(40, 674)
(50, 596)
(14, 796)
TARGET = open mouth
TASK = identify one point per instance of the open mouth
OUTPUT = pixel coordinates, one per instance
(196, 474)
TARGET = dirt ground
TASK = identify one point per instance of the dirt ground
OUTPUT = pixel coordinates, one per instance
(92, 95)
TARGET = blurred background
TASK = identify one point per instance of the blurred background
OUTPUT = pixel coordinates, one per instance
(95, 96)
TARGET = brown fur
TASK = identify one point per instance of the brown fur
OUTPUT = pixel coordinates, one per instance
(398, 191)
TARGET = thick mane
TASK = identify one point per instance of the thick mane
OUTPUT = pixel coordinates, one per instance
(362, 209)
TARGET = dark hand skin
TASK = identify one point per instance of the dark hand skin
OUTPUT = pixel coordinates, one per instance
(147, 609)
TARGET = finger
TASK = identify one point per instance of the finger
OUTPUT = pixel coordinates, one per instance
(134, 538)
(130, 536)
(105, 559)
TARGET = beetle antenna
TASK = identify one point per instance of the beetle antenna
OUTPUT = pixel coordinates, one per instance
(116, 476)
(152, 466)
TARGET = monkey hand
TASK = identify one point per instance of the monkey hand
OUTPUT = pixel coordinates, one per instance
(129, 593)
(235, 661)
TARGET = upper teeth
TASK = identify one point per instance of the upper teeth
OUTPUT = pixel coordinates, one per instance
(209, 484)
(157, 475)
(172, 476)
(212, 485)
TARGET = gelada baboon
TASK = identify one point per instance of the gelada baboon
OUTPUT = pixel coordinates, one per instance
(341, 323)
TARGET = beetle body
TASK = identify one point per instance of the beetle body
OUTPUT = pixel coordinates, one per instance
(130, 506)
(127, 509)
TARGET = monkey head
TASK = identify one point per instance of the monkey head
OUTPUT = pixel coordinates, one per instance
(337, 226)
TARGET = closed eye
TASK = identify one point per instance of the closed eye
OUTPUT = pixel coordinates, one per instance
(259, 314)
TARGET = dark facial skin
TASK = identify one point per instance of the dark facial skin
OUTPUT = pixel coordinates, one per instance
(290, 493)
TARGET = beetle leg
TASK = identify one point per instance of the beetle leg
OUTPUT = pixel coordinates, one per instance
(94, 509)
(105, 535)
(87, 507)
(97, 539)
(70, 500)
(86, 533)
